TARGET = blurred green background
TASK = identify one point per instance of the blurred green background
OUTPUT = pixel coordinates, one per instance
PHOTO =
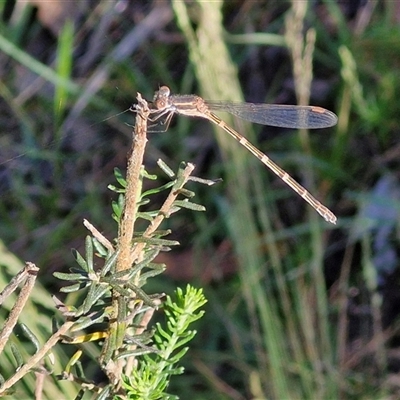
(298, 308)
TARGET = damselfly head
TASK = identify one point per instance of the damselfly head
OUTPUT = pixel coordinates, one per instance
(164, 92)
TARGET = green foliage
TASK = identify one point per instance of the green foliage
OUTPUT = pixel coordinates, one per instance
(105, 283)
(150, 380)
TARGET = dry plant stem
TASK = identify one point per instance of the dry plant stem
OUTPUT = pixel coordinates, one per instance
(125, 234)
(40, 378)
(164, 211)
(30, 269)
(30, 272)
(37, 357)
(124, 260)
(131, 362)
(97, 235)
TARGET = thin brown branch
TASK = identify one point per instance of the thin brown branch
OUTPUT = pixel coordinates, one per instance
(30, 273)
(36, 357)
(164, 211)
(117, 327)
(125, 234)
(99, 236)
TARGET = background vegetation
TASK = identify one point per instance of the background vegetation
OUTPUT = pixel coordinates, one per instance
(297, 308)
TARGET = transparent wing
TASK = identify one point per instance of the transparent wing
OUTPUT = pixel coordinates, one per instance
(284, 116)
